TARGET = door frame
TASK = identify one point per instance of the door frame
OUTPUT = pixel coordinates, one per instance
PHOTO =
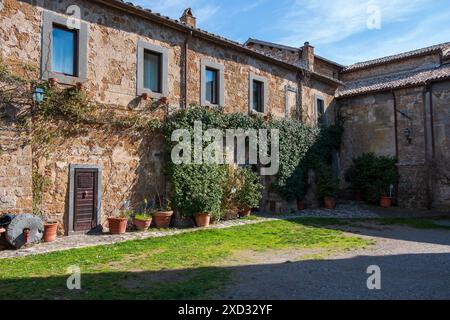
(72, 169)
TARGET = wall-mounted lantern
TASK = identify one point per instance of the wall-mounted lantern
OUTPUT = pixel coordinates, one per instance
(38, 95)
(408, 133)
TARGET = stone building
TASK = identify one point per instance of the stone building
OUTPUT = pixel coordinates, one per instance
(120, 53)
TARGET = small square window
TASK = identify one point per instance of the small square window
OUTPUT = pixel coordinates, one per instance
(258, 96)
(320, 109)
(212, 86)
(152, 71)
(64, 51)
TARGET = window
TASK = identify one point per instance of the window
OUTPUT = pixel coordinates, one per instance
(258, 96)
(64, 49)
(320, 112)
(212, 83)
(64, 55)
(211, 86)
(152, 71)
(152, 66)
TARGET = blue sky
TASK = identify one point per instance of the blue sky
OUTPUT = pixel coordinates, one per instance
(337, 28)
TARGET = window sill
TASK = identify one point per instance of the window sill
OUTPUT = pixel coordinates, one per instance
(63, 79)
(151, 94)
(254, 112)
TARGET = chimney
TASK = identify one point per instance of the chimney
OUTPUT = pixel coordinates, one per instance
(188, 18)
(308, 56)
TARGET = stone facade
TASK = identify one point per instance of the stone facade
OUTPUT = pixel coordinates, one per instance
(132, 166)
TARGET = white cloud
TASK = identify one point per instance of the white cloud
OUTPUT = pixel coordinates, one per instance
(329, 21)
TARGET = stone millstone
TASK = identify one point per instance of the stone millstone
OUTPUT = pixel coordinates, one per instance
(15, 235)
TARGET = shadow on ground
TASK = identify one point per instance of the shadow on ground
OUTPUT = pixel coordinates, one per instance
(410, 276)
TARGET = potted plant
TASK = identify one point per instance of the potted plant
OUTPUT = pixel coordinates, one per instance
(143, 219)
(198, 191)
(301, 205)
(50, 230)
(118, 224)
(327, 186)
(248, 193)
(50, 227)
(386, 200)
(162, 213)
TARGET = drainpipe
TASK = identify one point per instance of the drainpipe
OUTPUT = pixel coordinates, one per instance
(433, 146)
(395, 124)
(186, 66)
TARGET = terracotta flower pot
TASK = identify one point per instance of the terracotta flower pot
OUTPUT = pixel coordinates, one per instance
(53, 82)
(301, 205)
(162, 219)
(329, 202)
(164, 100)
(385, 202)
(79, 86)
(202, 220)
(145, 96)
(117, 225)
(245, 213)
(50, 230)
(142, 225)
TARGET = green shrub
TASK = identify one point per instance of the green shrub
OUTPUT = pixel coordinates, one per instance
(198, 188)
(327, 183)
(248, 191)
(372, 175)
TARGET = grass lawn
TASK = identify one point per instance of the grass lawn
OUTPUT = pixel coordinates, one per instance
(186, 266)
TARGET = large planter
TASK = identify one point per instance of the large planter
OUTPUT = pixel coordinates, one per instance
(202, 220)
(329, 203)
(301, 205)
(117, 225)
(162, 219)
(245, 213)
(385, 202)
(50, 231)
(142, 224)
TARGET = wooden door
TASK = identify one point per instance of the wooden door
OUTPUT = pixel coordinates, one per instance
(85, 213)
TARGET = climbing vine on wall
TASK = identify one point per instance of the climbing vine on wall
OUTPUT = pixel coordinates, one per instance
(302, 146)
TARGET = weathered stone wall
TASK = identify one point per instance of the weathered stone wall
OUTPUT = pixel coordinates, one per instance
(15, 172)
(396, 66)
(325, 68)
(237, 72)
(310, 90)
(413, 185)
(130, 169)
(441, 121)
(369, 127)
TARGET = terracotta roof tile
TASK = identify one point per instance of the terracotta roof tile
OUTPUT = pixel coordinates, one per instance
(361, 65)
(393, 81)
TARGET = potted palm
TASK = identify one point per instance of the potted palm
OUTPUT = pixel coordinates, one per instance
(118, 224)
(143, 219)
(248, 193)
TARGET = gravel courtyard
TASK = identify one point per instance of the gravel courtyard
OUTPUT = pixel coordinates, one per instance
(414, 263)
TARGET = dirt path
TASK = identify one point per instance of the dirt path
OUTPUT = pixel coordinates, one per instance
(414, 263)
